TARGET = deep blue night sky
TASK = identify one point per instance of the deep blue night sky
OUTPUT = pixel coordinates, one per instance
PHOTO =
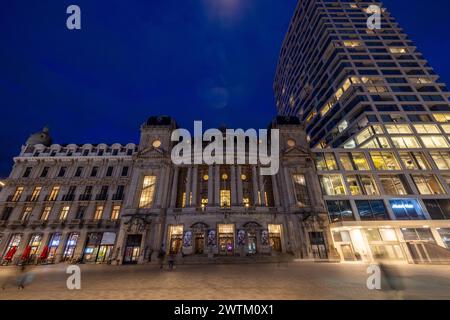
(210, 60)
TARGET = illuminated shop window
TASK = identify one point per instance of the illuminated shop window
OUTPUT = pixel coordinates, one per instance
(326, 162)
(395, 185)
(414, 161)
(445, 236)
(407, 209)
(427, 184)
(332, 185)
(352, 161)
(441, 159)
(405, 142)
(417, 234)
(148, 192)
(434, 142)
(384, 161)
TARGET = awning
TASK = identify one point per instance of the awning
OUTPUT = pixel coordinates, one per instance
(44, 253)
(11, 253)
(26, 253)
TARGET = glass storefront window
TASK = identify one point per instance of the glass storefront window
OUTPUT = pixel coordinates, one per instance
(407, 209)
(388, 235)
(445, 235)
(418, 234)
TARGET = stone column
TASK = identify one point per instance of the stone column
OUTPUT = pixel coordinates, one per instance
(217, 185)
(173, 198)
(234, 199)
(210, 186)
(188, 187)
(276, 194)
(240, 191)
(194, 186)
(262, 188)
(255, 186)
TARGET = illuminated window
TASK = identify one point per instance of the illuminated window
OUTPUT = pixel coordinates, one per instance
(225, 198)
(434, 142)
(45, 213)
(368, 132)
(442, 160)
(335, 98)
(362, 185)
(332, 185)
(26, 214)
(17, 194)
(442, 117)
(36, 193)
(156, 143)
(427, 128)
(64, 212)
(385, 161)
(326, 162)
(301, 191)
(115, 212)
(427, 184)
(405, 142)
(446, 128)
(414, 161)
(398, 50)
(352, 43)
(377, 143)
(98, 212)
(342, 126)
(354, 161)
(420, 80)
(246, 202)
(148, 192)
(54, 194)
(398, 128)
(395, 185)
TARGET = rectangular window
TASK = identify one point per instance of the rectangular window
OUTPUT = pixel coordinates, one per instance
(398, 128)
(26, 214)
(332, 185)
(17, 194)
(362, 185)
(94, 172)
(427, 128)
(27, 172)
(427, 184)
(301, 191)
(441, 159)
(98, 212)
(225, 198)
(46, 213)
(385, 161)
(372, 210)
(109, 171)
(438, 209)
(340, 210)
(355, 161)
(326, 162)
(124, 171)
(434, 142)
(62, 172)
(64, 213)
(54, 194)
(445, 235)
(407, 209)
(79, 172)
(36, 193)
(115, 213)
(148, 192)
(414, 161)
(44, 172)
(405, 142)
(395, 185)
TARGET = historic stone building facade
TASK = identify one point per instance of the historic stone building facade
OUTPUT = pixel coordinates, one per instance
(124, 204)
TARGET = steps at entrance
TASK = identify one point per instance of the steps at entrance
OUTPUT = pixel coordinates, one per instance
(204, 259)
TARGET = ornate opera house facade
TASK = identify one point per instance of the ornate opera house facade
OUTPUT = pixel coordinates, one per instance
(124, 204)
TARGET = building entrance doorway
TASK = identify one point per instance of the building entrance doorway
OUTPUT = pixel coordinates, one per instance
(347, 252)
(199, 243)
(275, 237)
(226, 239)
(251, 246)
(132, 249)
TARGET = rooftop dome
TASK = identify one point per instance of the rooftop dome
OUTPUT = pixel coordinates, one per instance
(42, 137)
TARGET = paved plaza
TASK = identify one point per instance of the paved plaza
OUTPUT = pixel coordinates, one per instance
(296, 280)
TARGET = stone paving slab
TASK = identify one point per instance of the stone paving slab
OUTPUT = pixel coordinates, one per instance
(291, 281)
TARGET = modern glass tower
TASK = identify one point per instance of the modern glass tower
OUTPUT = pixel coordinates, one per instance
(378, 119)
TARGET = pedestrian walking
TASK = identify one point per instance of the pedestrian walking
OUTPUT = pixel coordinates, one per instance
(171, 262)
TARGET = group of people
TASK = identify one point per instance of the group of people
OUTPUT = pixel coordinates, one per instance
(170, 259)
